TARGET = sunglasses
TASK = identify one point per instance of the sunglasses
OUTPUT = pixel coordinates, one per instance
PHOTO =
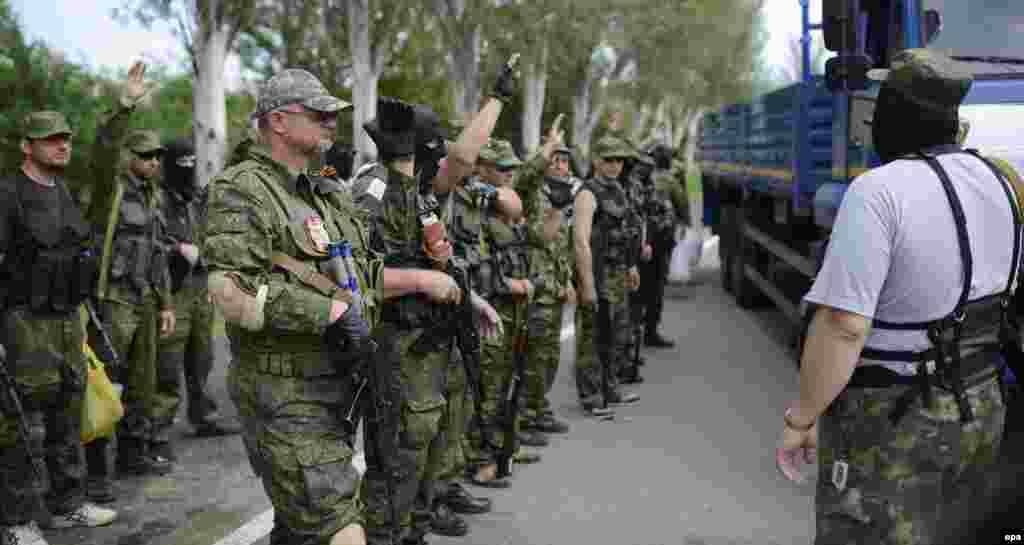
(149, 155)
(320, 118)
(505, 170)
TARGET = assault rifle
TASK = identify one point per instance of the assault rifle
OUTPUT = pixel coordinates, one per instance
(512, 392)
(10, 402)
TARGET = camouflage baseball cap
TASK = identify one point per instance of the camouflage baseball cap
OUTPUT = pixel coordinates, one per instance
(295, 86)
(143, 141)
(45, 124)
(499, 152)
(609, 147)
(927, 78)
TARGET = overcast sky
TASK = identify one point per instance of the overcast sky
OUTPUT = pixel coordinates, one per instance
(86, 32)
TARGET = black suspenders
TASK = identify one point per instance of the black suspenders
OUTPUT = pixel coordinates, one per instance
(946, 333)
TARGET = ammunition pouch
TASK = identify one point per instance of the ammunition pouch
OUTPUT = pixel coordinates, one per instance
(54, 280)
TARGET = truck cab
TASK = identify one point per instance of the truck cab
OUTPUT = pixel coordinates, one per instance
(775, 170)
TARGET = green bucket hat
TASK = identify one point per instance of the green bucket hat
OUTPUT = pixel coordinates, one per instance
(45, 124)
(143, 141)
(294, 86)
(610, 147)
(927, 78)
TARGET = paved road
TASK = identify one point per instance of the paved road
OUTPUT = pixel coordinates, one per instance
(691, 463)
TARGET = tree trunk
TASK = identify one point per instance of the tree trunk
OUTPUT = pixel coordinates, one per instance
(365, 75)
(535, 78)
(209, 104)
(696, 208)
(585, 113)
(464, 69)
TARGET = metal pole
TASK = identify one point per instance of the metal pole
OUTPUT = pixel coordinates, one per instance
(805, 40)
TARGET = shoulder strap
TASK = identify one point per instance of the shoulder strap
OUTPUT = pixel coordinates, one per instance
(961, 229)
(1002, 174)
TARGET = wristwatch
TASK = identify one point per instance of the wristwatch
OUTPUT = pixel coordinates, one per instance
(790, 424)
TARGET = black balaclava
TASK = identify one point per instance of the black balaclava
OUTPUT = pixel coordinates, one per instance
(340, 157)
(662, 156)
(902, 126)
(180, 168)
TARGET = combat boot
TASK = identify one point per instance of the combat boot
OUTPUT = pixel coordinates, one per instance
(24, 534)
(532, 438)
(459, 500)
(444, 521)
(654, 339)
(547, 423)
(134, 458)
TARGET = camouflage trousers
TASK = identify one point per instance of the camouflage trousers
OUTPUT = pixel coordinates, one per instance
(448, 464)
(46, 361)
(496, 367)
(422, 373)
(905, 483)
(599, 347)
(545, 346)
(297, 441)
(133, 330)
(188, 348)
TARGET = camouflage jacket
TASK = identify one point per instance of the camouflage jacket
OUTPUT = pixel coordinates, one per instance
(128, 218)
(550, 261)
(509, 256)
(258, 208)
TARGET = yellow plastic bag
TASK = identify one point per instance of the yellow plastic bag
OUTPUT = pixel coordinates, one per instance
(101, 408)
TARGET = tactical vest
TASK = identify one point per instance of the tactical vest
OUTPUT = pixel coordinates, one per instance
(415, 310)
(509, 252)
(183, 217)
(132, 248)
(50, 269)
(611, 239)
(966, 341)
(465, 211)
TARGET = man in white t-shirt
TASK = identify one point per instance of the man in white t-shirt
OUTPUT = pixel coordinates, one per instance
(902, 451)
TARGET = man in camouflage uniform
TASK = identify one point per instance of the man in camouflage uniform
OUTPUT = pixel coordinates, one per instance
(667, 207)
(134, 287)
(189, 347)
(47, 268)
(910, 419)
(546, 191)
(606, 271)
(295, 334)
(416, 332)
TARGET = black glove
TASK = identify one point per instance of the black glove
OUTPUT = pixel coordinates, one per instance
(393, 130)
(507, 82)
(350, 333)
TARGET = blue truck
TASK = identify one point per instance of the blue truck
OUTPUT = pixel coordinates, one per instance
(774, 170)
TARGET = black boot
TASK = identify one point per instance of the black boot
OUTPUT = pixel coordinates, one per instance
(444, 522)
(134, 458)
(459, 500)
(653, 338)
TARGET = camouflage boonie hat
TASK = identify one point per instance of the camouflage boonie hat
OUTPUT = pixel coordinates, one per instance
(610, 147)
(295, 86)
(927, 78)
(44, 125)
(499, 152)
(143, 141)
